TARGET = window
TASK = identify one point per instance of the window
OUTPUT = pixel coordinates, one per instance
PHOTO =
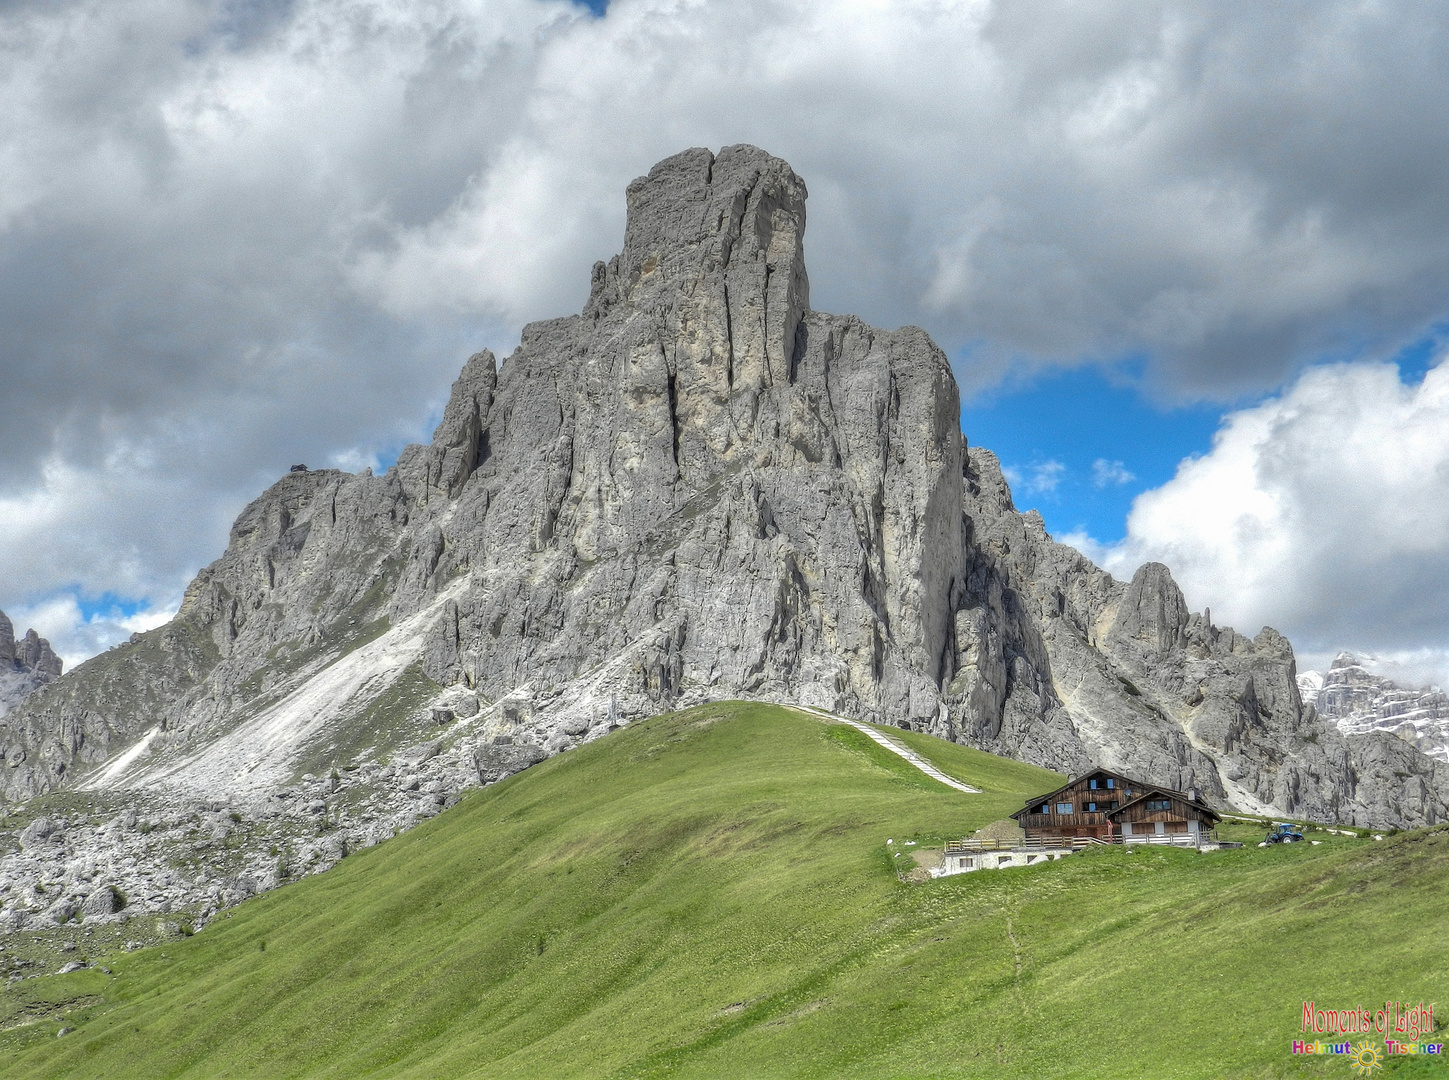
(1092, 784)
(1106, 783)
(1064, 808)
(1110, 783)
(1159, 804)
(1100, 807)
(1044, 809)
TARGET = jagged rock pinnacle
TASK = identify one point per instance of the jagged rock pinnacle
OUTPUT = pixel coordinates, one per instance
(697, 488)
(25, 665)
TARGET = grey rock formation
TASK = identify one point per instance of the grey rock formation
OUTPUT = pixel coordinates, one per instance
(495, 762)
(698, 488)
(1361, 702)
(38, 832)
(63, 910)
(102, 901)
(25, 665)
(1136, 682)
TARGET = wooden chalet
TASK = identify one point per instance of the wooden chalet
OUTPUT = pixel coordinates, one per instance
(1162, 812)
(1079, 807)
(1108, 806)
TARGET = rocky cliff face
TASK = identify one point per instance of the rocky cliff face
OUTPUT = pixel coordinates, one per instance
(698, 488)
(1362, 703)
(1151, 689)
(25, 665)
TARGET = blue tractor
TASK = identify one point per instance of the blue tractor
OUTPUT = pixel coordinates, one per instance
(1283, 833)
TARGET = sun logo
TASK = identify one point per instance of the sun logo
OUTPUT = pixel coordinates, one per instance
(1365, 1058)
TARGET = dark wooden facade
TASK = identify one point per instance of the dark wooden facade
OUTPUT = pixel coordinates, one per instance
(1079, 808)
(1163, 812)
(1109, 806)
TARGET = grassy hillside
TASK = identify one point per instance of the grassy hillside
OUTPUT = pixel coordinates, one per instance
(711, 894)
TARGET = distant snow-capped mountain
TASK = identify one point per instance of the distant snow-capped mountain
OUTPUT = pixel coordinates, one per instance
(1359, 702)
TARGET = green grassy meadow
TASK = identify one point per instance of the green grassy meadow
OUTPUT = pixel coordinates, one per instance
(710, 894)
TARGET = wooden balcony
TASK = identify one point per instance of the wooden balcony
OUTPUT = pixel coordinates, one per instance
(1038, 843)
(1030, 843)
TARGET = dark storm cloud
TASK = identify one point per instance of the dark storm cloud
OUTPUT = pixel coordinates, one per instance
(238, 235)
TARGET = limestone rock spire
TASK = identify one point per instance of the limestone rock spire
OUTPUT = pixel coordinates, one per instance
(25, 665)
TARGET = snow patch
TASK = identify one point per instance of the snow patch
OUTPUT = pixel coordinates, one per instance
(259, 754)
(117, 766)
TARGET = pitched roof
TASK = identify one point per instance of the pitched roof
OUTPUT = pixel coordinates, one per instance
(1162, 792)
(1133, 784)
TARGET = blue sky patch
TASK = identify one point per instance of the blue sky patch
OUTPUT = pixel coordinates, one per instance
(1415, 359)
(1079, 445)
(108, 605)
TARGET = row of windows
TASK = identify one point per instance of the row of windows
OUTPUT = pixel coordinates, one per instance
(1100, 807)
(1087, 807)
(1105, 783)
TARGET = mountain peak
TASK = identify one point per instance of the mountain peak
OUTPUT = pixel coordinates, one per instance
(25, 665)
(697, 489)
(714, 262)
(32, 653)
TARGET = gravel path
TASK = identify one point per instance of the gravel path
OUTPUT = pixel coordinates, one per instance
(894, 747)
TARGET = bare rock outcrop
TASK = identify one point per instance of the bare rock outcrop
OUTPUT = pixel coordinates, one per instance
(697, 488)
(1155, 690)
(1361, 702)
(25, 665)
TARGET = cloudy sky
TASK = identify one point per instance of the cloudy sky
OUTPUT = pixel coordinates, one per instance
(1191, 261)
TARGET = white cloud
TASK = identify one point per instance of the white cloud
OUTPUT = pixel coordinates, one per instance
(1044, 477)
(1102, 554)
(236, 236)
(1039, 478)
(1110, 474)
(1410, 667)
(1323, 512)
(75, 636)
(152, 523)
(115, 528)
